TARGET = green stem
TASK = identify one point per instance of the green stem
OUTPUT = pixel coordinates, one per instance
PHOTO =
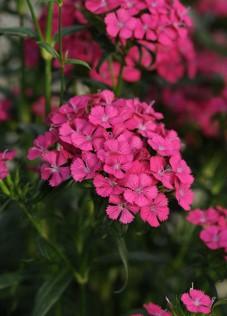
(35, 21)
(37, 228)
(49, 22)
(118, 88)
(83, 300)
(48, 80)
(62, 61)
(24, 111)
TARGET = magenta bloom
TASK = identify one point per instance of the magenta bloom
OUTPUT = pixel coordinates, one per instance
(197, 301)
(101, 6)
(106, 139)
(200, 217)
(5, 105)
(120, 23)
(157, 211)
(5, 156)
(120, 210)
(54, 168)
(141, 189)
(155, 310)
(214, 237)
(106, 186)
(85, 168)
(41, 145)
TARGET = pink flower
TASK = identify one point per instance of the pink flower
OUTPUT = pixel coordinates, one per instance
(85, 168)
(210, 236)
(106, 186)
(145, 28)
(41, 145)
(101, 6)
(167, 145)
(117, 166)
(105, 139)
(155, 310)
(157, 211)
(54, 168)
(197, 301)
(184, 195)
(120, 210)
(133, 6)
(120, 23)
(181, 170)
(214, 237)
(199, 217)
(5, 156)
(161, 171)
(5, 105)
(140, 189)
(102, 115)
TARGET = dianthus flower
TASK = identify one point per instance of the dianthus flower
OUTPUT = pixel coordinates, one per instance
(197, 106)
(197, 301)
(161, 28)
(5, 156)
(217, 7)
(5, 105)
(115, 143)
(214, 224)
(154, 310)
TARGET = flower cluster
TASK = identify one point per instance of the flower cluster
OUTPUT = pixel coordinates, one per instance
(214, 226)
(121, 145)
(198, 106)
(157, 28)
(5, 105)
(217, 7)
(5, 156)
(195, 301)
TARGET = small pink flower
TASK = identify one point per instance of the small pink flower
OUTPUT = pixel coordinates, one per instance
(157, 211)
(5, 105)
(102, 115)
(181, 169)
(85, 168)
(120, 23)
(106, 186)
(155, 310)
(145, 28)
(41, 145)
(161, 171)
(165, 146)
(117, 166)
(184, 196)
(54, 168)
(197, 301)
(140, 189)
(4, 157)
(120, 210)
(211, 237)
(199, 217)
(101, 6)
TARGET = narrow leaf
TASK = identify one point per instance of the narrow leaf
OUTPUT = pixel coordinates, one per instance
(69, 31)
(124, 258)
(9, 280)
(17, 31)
(77, 62)
(50, 292)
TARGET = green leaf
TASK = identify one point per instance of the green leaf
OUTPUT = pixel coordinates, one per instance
(49, 49)
(17, 31)
(9, 280)
(122, 250)
(77, 62)
(69, 30)
(50, 292)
